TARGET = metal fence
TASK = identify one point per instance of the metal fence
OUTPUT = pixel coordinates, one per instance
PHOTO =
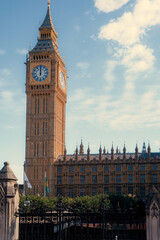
(61, 225)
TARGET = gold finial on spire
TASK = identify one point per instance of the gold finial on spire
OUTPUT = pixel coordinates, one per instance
(48, 3)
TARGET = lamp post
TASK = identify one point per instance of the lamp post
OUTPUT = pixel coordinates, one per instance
(27, 202)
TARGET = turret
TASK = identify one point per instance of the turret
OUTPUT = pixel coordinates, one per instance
(65, 154)
(144, 148)
(77, 153)
(104, 150)
(136, 152)
(117, 151)
(81, 151)
(100, 153)
(112, 153)
(149, 151)
(124, 152)
(88, 153)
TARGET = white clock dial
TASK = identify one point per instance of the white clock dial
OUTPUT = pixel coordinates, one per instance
(62, 79)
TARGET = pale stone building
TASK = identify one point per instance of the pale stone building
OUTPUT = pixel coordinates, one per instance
(9, 203)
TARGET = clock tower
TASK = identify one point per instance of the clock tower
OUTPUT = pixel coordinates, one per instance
(46, 90)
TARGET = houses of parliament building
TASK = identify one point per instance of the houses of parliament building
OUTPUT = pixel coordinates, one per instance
(78, 174)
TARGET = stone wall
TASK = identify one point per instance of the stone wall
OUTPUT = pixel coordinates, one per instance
(153, 215)
(2, 211)
(9, 202)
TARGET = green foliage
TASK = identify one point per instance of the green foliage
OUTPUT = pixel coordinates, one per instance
(38, 204)
(97, 203)
(125, 203)
(88, 203)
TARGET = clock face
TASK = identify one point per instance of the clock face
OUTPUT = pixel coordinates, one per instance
(40, 73)
(62, 79)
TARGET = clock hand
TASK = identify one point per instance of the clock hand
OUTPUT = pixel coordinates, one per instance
(40, 70)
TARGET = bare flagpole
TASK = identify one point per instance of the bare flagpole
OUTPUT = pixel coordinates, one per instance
(23, 183)
(45, 184)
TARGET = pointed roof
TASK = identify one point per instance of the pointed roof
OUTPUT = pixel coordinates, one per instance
(47, 42)
(81, 151)
(47, 23)
(6, 173)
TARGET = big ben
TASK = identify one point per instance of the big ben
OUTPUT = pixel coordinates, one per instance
(46, 90)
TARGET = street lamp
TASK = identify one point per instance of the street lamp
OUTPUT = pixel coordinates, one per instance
(27, 202)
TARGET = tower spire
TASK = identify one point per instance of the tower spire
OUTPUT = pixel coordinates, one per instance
(48, 3)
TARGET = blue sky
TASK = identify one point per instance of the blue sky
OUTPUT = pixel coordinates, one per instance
(112, 53)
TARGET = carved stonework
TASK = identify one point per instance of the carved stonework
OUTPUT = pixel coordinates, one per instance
(153, 215)
(154, 210)
(9, 202)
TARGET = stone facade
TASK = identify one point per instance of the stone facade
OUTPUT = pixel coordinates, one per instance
(90, 174)
(9, 200)
(46, 99)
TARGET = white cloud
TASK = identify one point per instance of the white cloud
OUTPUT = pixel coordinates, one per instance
(109, 5)
(139, 58)
(90, 14)
(94, 37)
(83, 65)
(131, 27)
(9, 126)
(157, 144)
(2, 52)
(4, 74)
(22, 51)
(109, 74)
(128, 32)
(130, 111)
(78, 95)
(12, 101)
(77, 28)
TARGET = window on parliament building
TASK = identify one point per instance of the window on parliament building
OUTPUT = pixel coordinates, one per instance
(118, 178)
(118, 168)
(94, 190)
(130, 190)
(82, 192)
(142, 178)
(94, 169)
(130, 168)
(59, 191)
(82, 169)
(71, 169)
(142, 168)
(106, 190)
(59, 169)
(106, 178)
(71, 192)
(94, 179)
(118, 190)
(59, 179)
(106, 169)
(82, 179)
(70, 179)
(154, 167)
(130, 178)
(155, 178)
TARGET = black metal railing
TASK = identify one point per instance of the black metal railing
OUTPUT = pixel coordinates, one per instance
(65, 225)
